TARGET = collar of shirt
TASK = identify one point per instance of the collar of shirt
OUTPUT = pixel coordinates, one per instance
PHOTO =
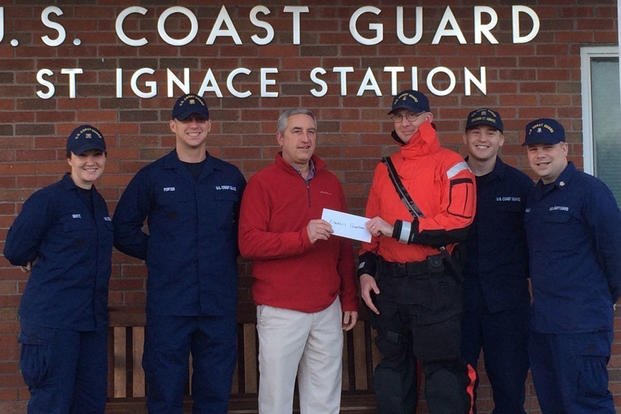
(562, 180)
(498, 172)
(311, 171)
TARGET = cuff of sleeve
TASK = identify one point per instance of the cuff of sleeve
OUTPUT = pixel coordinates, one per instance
(402, 231)
(349, 307)
(367, 264)
(306, 243)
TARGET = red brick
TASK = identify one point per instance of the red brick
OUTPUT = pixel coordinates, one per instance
(539, 78)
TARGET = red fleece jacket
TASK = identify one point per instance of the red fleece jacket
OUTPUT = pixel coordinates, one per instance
(289, 272)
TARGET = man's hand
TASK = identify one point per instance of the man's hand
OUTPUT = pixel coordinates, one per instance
(368, 285)
(318, 230)
(349, 320)
(378, 226)
(28, 267)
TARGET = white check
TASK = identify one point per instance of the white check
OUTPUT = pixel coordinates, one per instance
(347, 225)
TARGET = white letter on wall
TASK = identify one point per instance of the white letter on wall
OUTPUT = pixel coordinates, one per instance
(171, 79)
(452, 81)
(378, 28)
(53, 25)
(318, 93)
(369, 83)
(517, 38)
(44, 82)
(296, 10)
(343, 70)
(480, 83)
(484, 29)
(72, 82)
(419, 28)
(118, 26)
(269, 30)
(161, 26)
(265, 81)
(448, 19)
(223, 18)
(394, 70)
(1, 23)
(151, 85)
(119, 82)
(208, 80)
(229, 83)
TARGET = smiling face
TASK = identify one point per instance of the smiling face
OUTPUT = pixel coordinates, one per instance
(483, 142)
(407, 123)
(548, 160)
(298, 140)
(190, 133)
(87, 168)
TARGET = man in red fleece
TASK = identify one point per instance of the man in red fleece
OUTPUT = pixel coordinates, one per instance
(408, 275)
(304, 284)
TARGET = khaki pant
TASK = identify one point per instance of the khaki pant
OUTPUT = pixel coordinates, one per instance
(306, 345)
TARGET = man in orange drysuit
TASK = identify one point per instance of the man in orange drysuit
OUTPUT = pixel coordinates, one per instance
(409, 273)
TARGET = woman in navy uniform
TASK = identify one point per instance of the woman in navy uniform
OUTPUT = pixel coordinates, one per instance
(63, 236)
(573, 227)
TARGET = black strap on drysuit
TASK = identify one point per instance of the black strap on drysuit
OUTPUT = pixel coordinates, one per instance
(415, 211)
(403, 193)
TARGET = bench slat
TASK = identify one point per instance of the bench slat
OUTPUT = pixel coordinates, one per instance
(127, 382)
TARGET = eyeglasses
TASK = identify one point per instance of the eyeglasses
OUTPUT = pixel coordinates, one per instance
(409, 116)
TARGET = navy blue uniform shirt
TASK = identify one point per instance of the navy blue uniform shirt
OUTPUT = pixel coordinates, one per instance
(574, 239)
(72, 246)
(191, 245)
(496, 258)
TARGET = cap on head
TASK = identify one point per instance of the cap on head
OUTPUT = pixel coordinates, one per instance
(85, 138)
(410, 100)
(188, 105)
(484, 116)
(544, 131)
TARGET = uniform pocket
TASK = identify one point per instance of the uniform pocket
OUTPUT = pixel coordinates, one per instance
(225, 209)
(461, 193)
(438, 341)
(443, 299)
(34, 357)
(593, 357)
(510, 208)
(593, 377)
(78, 232)
(558, 216)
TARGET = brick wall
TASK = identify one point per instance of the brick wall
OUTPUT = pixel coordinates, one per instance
(523, 81)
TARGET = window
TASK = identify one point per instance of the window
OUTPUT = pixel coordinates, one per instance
(601, 112)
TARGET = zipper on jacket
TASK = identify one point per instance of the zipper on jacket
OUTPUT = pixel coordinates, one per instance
(308, 192)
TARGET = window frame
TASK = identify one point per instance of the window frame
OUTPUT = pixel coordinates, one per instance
(587, 53)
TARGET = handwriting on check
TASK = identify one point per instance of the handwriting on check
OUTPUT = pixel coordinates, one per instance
(340, 224)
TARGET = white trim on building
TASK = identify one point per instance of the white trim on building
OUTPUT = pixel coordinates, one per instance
(586, 54)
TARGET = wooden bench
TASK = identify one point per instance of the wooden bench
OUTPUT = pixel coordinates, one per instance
(126, 383)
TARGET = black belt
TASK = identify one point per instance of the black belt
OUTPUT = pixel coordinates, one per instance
(433, 264)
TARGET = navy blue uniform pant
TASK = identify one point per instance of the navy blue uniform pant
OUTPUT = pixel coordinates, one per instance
(169, 341)
(503, 337)
(65, 371)
(569, 372)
